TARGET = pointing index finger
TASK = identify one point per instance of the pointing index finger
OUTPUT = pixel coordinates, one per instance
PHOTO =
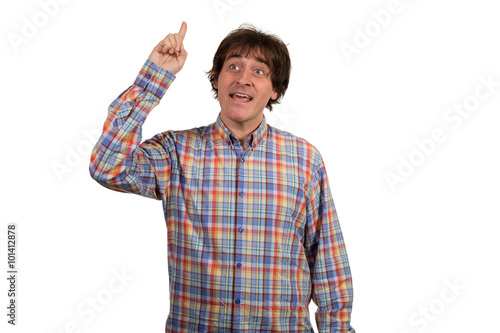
(182, 30)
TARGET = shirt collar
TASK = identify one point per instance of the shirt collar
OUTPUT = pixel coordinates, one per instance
(253, 139)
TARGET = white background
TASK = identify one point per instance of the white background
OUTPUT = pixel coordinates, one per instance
(437, 226)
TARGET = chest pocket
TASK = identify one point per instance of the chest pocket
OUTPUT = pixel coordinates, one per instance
(280, 228)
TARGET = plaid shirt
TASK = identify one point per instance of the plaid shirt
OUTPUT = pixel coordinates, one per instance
(252, 233)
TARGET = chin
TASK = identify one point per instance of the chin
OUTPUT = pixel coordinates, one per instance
(237, 113)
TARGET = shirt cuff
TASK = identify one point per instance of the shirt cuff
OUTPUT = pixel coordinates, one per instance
(154, 78)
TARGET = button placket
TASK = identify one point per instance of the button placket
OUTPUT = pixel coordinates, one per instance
(241, 206)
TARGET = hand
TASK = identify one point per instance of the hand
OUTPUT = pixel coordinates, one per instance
(170, 53)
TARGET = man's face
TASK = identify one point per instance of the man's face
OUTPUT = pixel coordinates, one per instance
(244, 88)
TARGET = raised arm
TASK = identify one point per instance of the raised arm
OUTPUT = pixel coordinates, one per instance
(119, 160)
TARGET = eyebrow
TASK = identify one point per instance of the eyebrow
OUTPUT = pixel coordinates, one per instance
(259, 59)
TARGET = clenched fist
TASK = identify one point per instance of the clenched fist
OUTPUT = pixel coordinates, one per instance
(170, 53)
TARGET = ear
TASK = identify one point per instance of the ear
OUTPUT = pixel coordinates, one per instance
(274, 95)
(216, 83)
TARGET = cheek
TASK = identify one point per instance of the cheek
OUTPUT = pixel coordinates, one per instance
(221, 86)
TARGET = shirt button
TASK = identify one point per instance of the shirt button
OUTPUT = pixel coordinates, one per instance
(239, 265)
(148, 76)
(240, 229)
(237, 301)
(242, 193)
(242, 160)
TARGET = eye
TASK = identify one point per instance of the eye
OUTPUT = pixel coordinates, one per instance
(259, 71)
(233, 66)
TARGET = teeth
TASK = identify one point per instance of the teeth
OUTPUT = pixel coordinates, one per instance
(245, 96)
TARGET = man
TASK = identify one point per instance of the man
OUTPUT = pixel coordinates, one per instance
(252, 229)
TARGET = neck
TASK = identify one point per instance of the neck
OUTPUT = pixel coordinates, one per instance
(242, 130)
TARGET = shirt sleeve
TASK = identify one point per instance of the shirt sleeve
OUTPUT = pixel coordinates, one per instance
(327, 257)
(119, 160)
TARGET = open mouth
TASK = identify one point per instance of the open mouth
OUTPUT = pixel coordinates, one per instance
(240, 97)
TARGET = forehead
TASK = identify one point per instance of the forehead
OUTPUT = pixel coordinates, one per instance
(248, 53)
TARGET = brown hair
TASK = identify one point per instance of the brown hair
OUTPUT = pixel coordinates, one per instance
(248, 39)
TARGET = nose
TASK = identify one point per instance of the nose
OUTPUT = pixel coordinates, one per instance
(244, 78)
